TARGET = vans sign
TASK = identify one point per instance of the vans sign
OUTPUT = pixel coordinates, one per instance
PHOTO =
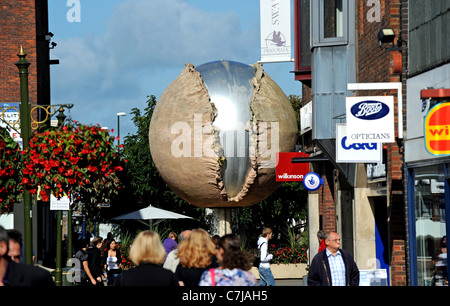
(370, 119)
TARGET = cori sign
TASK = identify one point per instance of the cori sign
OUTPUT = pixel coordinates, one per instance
(436, 125)
(370, 119)
(347, 152)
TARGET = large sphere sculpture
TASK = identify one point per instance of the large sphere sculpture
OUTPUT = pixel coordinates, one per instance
(215, 132)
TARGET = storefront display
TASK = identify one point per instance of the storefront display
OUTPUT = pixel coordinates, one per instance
(430, 225)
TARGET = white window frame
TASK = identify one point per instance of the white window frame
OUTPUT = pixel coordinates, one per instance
(318, 38)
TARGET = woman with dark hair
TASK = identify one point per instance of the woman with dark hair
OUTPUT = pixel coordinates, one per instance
(112, 262)
(234, 265)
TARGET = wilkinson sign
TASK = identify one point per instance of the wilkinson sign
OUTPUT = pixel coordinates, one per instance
(286, 171)
(370, 119)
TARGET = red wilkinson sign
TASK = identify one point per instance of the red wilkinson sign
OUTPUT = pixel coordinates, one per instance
(286, 171)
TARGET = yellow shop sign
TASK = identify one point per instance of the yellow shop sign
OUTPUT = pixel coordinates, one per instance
(437, 129)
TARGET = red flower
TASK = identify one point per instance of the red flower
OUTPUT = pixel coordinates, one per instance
(92, 168)
(70, 160)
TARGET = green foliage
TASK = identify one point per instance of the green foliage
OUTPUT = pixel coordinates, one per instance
(286, 204)
(127, 240)
(142, 175)
(296, 102)
(124, 248)
(10, 176)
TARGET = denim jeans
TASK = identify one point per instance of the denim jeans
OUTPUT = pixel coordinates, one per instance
(266, 277)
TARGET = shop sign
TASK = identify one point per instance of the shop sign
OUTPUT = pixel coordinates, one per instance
(306, 118)
(376, 171)
(436, 125)
(286, 171)
(356, 152)
(373, 277)
(312, 181)
(275, 21)
(59, 204)
(10, 117)
(370, 119)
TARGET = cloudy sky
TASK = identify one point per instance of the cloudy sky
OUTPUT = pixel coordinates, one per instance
(115, 53)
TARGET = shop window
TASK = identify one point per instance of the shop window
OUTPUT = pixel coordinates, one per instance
(329, 22)
(302, 17)
(430, 224)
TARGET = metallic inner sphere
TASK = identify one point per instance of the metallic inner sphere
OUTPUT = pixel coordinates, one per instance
(230, 88)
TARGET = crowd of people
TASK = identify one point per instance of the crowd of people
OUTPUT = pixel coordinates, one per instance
(99, 260)
(196, 260)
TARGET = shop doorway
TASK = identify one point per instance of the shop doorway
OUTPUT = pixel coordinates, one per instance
(381, 234)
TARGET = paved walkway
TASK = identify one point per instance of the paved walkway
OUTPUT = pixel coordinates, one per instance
(289, 282)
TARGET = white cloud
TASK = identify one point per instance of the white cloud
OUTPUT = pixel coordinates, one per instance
(173, 32)
(144, 48)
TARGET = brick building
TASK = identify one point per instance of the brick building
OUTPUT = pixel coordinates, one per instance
(390, 214)
(25, 23)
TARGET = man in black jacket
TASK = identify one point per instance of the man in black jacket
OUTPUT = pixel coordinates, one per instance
(333, 266)
(95, 262)
(17, 274)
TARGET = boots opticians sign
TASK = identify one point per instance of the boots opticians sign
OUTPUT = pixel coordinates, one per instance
(437, 126)
(370, 119)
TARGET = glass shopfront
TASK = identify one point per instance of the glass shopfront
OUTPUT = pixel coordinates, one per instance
(428, 219)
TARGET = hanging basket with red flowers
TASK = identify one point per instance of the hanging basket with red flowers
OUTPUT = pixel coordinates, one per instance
(10, 176)
(72, 160)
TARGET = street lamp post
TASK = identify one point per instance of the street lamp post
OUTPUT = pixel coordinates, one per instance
(118, 128)
(25, 127)
(58, 269)
(25, 123)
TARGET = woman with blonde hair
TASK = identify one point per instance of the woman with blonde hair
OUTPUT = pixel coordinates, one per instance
(196, 253)
(147, 252)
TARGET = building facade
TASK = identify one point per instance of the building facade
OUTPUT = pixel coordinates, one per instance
(25, 24)
(427, 151)
(391, 214)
